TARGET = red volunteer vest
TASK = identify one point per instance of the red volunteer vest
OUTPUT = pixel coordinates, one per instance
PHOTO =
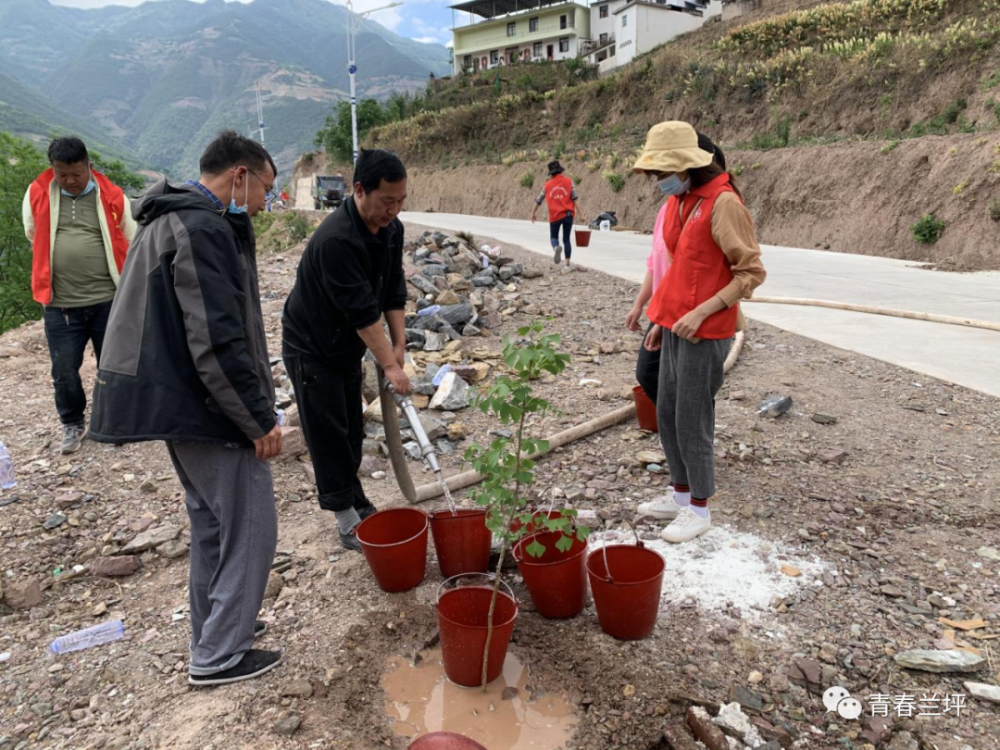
(559, 197)
(700, 269)
(112, 201)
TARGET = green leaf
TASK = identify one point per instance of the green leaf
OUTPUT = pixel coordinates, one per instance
(582, 532)
(564, 544)
(535, 549)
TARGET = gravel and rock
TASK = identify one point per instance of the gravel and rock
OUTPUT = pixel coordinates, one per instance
(886, 510)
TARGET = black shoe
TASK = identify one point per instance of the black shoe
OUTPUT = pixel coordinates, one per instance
(259, 628)
(350, 541)
(366, 510)
(254, 663)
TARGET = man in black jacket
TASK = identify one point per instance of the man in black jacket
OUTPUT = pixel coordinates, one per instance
(350, 275)
(185, 361)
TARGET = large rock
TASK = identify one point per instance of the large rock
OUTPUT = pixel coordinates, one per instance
(111, 567)
(473, 373)
(24, 594)
(456, 315)
(458, 282)
(149, 539)
(486, 278)
(424, 284)
(275, 583)
(448, 297)
(415, 339)
(704, 730)
(735, 723)
(434, 269)
(434, 342)
(491, 321)
(293, 444)
(951, 660)
(452, 394)
(426, 323)
(983, 691)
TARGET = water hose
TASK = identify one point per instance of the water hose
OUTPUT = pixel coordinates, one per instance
(987, 325)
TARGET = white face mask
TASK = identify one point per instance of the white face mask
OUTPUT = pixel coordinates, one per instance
(673, 185)
(233, 208)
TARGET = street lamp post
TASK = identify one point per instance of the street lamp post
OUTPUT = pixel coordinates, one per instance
(352, 66)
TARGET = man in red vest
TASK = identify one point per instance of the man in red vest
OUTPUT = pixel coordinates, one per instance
(559, 195)
(80, 226)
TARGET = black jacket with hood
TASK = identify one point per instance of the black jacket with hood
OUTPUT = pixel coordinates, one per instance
(185, 353)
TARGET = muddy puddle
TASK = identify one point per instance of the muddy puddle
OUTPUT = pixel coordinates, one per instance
(420, 699)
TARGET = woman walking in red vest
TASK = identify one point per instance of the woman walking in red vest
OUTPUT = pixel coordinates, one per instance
(715, 262)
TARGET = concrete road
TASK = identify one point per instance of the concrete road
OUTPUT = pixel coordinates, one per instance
(967, 356)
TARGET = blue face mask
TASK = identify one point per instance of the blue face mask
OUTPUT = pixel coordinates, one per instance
(90, 186)
(233, 208)
(673, 185)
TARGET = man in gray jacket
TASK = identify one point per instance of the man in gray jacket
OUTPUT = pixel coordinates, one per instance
(185, 361)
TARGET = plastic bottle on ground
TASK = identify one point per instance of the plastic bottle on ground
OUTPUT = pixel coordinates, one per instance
(439, 375)
(104, 632)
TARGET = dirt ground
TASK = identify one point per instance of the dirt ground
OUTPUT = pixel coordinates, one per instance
(832, 197)
(896, 520)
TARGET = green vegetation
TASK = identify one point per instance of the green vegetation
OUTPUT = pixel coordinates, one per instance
(865, 69)
(615, 180)
(528, 180)
(995, 209)
(928, 229)
(20, 164)
(278, 231)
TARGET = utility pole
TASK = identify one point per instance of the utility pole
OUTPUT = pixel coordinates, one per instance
(352, 66)
(260, 112)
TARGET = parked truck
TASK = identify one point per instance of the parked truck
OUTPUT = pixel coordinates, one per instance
(328, 191)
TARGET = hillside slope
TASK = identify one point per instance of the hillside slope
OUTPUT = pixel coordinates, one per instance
(845, 197)
(880, 109)
(28, 114)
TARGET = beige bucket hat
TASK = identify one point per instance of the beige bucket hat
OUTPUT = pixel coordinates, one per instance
(672, 147)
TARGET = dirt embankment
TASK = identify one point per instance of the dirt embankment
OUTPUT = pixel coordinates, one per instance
(855, 197)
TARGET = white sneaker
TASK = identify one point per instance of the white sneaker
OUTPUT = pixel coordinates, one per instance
(686, 527)
(663, 508)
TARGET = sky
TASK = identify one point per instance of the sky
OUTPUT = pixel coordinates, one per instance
(423, 20)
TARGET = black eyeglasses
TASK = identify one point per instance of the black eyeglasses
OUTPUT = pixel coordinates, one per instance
(269, 193)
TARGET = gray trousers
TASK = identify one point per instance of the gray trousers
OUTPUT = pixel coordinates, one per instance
(234, 533)
(690, 377)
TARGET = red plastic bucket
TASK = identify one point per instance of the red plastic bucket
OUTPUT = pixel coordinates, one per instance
(557, 580)
(462, 541)
(583, 238)
(445, 741)
(395, 545)
(462, 618)
(645, 409)
(627, 605)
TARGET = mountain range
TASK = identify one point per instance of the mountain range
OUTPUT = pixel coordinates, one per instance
(153, 83)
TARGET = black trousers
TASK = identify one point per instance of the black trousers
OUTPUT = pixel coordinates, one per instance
(647, 370)
(329, 402)
(67, 330)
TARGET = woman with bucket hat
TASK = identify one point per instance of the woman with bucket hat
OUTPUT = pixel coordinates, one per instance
(715, 262)
(560, 196)
(647, 369)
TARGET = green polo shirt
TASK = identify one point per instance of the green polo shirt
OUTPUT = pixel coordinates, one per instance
(80, 275)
